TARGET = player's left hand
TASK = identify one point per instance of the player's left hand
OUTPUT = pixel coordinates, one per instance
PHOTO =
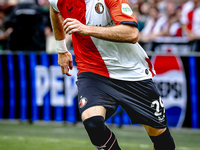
(71, 25)
(65, 62)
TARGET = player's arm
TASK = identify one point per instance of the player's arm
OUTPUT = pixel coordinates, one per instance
(56, 21)
(64, 56)
(118, 33)
(121, 13)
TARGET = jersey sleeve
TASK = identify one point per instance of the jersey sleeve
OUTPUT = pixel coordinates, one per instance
(53, 4)
(121, 12)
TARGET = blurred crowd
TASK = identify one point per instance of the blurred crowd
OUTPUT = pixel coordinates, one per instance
(172, 18)
(25, 24)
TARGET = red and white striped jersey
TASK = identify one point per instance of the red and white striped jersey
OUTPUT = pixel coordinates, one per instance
(187, 14)
(196, 21)
(123, 61)
(175, 29)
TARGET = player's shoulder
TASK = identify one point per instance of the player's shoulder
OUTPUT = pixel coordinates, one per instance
(54, 4)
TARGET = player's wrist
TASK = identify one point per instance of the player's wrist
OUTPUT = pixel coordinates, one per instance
(61, 46)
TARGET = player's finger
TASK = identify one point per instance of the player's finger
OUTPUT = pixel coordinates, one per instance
(66, 70)
(62, 69)
(68, 74)
(70, 65)
(71, 29)
(67, 20)
(64, 22)
(66, 25)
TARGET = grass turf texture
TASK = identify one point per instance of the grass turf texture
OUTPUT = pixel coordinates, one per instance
(74, 137)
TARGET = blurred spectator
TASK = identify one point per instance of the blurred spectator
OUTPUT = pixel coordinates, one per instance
(143, 15)
(44, 6)
(195, 33)
(187, 16)
(160, 4)
(50, 41)
(28, 26)
(154, 26)
(4, 33)
(174, 28)
(191, 23)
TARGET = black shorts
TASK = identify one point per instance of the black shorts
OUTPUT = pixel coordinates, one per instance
(140, 99)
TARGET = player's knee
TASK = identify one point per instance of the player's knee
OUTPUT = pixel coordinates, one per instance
(100, 136)
(95, 123)
(154, 131)
(96, 130)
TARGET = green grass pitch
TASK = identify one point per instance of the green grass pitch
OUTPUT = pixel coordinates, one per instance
(73, 137)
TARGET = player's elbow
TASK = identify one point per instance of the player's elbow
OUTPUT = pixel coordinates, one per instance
(134, 36)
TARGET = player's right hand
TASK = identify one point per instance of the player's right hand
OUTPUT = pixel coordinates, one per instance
(65, 62)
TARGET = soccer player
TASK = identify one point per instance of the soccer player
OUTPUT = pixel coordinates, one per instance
(113, 68)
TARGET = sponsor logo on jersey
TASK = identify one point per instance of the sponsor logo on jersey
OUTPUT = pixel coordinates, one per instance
(171, 83)
(69, 9)
(126, 9)
(83, 102)
(99, 8)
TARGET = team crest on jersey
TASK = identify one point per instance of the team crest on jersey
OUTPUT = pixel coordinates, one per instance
(83, 102)
(126, 9)
(99, 8)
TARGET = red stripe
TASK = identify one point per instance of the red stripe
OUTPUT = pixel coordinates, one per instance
(87, 55)
(190, 18)
(112, 144)
(179, 32)
(150, 66)
(108, 139)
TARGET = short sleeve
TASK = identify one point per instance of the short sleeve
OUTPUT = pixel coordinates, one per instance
(54, 5)
(121, 12)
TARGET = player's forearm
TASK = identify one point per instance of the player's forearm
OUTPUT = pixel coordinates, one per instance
(119, 33)
(56, 21)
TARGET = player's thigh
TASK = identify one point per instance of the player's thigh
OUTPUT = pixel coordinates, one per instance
(94, 111)
(154, 131)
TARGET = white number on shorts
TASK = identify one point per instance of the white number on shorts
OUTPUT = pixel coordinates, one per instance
(159, 104)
